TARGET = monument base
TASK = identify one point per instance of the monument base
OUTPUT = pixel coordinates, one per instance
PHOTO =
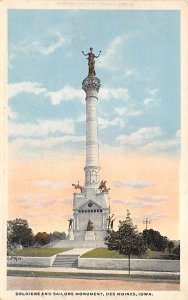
(77, 244)
(90, 235)
(71, 235)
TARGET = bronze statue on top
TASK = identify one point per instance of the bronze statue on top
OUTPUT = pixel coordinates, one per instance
(91, 61)
(103, 187)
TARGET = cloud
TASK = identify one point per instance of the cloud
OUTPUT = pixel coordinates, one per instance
(35, 215)
(138, 204)
(151, 217)
(156, 216)
(154, 198)
(41, 128)
(12, 115)
(108, 93)
(151, 101)
(104, 123)
(81, 118)
(153, 92)
(66, 201)
(108, 60)
(178, 134)
(67, 93)
(41, 203)
(163, 146)
(150, 140)
(123, 111)
(49, 184)
(35, 88)
(28, 198)
(34, 200)
(57, 144)
(45, 50)
(130, 72)
(47, 45)
(121, 202)
(133, 184)
(140, 136)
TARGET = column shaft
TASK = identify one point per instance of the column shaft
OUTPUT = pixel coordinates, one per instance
(91, 87)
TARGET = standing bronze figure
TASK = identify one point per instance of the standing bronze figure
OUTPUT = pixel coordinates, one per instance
(91, 61)
(70, 223)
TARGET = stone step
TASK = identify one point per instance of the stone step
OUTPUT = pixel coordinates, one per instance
(67, 256)
(66, 266)
(66, 261)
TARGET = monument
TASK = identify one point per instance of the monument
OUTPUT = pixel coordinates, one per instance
(91, 213)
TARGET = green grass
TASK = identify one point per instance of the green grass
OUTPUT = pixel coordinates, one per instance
(174, 277)
(40, 252)
(105, 253)
(102, 253)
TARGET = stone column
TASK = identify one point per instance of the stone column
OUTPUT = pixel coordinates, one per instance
(91, 85)
(75, 220)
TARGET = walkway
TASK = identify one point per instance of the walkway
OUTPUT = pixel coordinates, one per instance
(77, 286)
(84, 273)
(76, 251)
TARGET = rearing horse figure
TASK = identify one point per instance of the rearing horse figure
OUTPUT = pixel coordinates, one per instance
(103, 187)
(78, 186)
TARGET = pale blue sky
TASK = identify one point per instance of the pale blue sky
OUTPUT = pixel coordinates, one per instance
(139, 69)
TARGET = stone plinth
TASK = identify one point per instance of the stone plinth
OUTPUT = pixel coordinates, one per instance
(71, 235)
(90, 235)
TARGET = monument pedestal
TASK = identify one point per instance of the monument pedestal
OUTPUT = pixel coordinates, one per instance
(71, 235)
(90, 236)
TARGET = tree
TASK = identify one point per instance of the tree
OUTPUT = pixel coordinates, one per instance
(127, 240)
(18, 231)
(176, 251)
(154, 240)
(170, 246)
(42, 238)
(57, 235)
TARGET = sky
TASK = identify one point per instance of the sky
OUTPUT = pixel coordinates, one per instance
(138, 113)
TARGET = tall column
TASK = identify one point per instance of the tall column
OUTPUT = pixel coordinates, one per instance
(91, 85)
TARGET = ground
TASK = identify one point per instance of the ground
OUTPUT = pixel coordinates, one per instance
(70, 284)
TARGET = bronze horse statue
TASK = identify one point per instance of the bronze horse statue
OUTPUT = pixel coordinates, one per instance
(103, 187)
(78, 186)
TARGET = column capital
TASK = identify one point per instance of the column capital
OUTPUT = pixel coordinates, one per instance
(91, 82)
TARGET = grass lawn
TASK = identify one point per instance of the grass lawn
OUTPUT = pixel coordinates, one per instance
(105, 253)
(40, 252)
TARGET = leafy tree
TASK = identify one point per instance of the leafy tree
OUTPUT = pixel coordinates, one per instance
(154, 240)
(127, 240)
(42, 238)
(170, 246)
(176, 251)
(18, 231)
(57, 235)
